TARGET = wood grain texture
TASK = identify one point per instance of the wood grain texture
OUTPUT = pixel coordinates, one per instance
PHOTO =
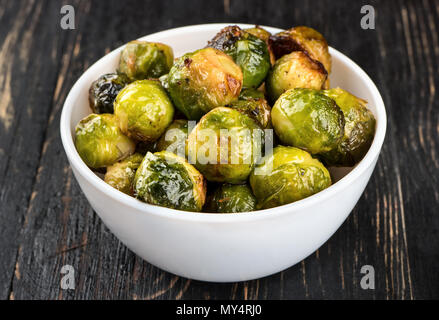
(46, 222)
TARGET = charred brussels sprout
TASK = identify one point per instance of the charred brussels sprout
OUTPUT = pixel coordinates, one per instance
(203, 80)
(249, 52)
(167, 180)
(174, 139)
(287, 175)
(143, 110)
(295, 70)
(359, 129)
(308, 119)
(230, 198)
(257, 109)
(104, 90)
(302, 39)
(121, 174)
(222, 145)
(142, 60)
(100, 142)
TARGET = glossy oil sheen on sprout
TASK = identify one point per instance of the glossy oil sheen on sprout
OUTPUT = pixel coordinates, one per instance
(248, 51)
(231, 198)
(121, 174)
(142, 60)
(308, 119)
(359, 129)
(203, 80)
(252, 103)
(240, 128)
(304, 39)
(104, 91)
(143, 110)
(295, 70)
(167, 180)
(100, 142)
(289, 174)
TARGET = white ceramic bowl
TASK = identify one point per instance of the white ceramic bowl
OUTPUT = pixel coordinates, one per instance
(226, 247)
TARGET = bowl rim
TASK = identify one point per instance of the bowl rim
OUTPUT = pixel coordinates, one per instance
(291, 208)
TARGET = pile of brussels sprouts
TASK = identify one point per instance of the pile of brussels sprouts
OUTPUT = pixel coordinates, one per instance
(242, 80)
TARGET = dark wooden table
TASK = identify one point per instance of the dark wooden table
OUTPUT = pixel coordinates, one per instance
(46, 222)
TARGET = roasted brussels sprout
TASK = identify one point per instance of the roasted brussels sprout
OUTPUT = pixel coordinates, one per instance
(308, 119)
(287, 175)
(294, 70)
(251, 94)
(249, 52)
(174, 138)
(257, 109)
(203, 80)
(257, 99)
(231, 198)
(104, 90)
(167, 180)
(142, 60)
(222, 145)
(264, 35)
(359, 129)
(302, 39)
(259, 32)
(121, 174)
(143, 110)
(100, 142)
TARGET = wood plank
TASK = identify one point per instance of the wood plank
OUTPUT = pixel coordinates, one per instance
(26, 88)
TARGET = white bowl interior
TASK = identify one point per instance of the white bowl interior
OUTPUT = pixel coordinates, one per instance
(346, 74)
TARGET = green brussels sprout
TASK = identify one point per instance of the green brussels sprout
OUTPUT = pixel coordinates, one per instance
(167, 180)
(294, 70)
(143, 110)
(248, 52)
(257, 109)
(287, 175)
(309, 120)
(222, 146)
(259, 32)
(231, 198)
(121, 174)
(142, 60)
(175, 137)
(203, 80)
(100, 142)
(251, 94)
(302, 39)
(359, 129)
(104, 90)
(264, 35)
